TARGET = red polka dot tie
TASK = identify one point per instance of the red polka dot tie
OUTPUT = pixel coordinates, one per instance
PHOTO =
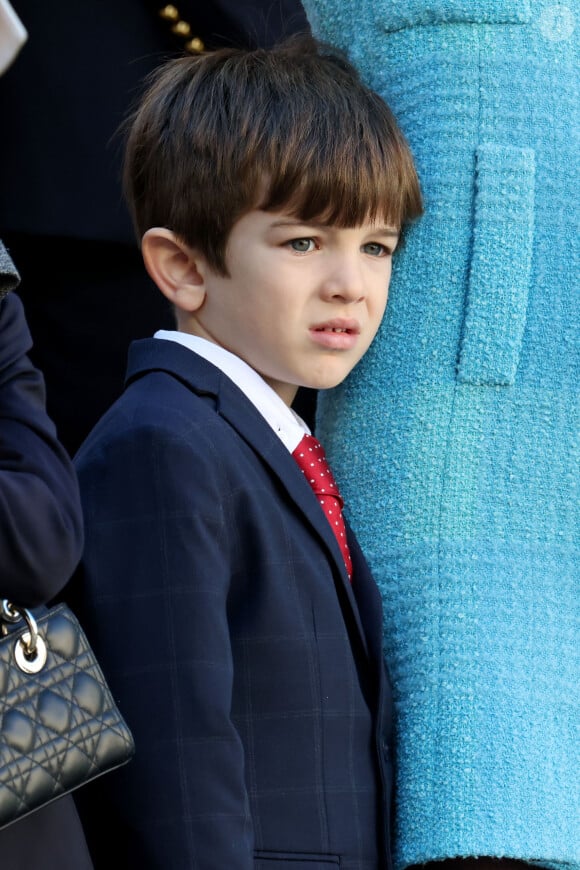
(312, 460)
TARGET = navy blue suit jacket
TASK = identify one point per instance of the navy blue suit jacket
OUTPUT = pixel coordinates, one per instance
(249, 669)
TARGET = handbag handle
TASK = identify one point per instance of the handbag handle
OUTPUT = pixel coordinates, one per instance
(30, 649)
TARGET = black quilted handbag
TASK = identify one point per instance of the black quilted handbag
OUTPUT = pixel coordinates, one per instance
(59, 725)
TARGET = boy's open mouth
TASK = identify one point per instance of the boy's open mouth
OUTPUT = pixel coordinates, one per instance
(338, 334)
(338, 325)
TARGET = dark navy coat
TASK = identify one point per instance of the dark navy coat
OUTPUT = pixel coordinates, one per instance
(40, 545)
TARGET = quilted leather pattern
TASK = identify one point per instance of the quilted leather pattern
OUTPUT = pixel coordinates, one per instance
(59, 728)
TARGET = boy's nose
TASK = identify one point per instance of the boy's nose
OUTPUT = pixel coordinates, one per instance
(344, 282)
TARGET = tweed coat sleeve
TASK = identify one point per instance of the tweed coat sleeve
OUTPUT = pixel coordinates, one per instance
(40, 514)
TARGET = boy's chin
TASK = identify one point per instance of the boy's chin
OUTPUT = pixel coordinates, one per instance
(329, 381)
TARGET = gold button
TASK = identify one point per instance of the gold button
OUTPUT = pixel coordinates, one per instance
(195, 45)
(182, 28)
(169, 12)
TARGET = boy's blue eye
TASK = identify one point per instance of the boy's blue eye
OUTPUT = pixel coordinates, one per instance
(375, 249)
(301, 246)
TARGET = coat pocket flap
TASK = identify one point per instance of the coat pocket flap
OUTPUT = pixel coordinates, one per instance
(501, 264)
(418, 13)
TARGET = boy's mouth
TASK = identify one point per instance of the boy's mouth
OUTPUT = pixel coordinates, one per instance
(350, 327)
(337, 334)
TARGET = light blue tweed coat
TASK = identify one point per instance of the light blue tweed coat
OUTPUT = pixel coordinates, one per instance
(455, 441)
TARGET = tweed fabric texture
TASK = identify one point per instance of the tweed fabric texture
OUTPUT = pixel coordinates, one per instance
(465, 417)
(9, 277)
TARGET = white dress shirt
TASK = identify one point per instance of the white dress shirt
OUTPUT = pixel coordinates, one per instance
(287, 425)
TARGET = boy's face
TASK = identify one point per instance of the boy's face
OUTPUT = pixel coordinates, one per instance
(303, 301)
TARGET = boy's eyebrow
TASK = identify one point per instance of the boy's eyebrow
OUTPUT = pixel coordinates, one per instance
(292, 222)
(387, 231)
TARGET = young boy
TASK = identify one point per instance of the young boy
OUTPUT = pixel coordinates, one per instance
(269, 189)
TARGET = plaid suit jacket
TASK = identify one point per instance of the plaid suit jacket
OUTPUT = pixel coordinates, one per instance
(247, 666)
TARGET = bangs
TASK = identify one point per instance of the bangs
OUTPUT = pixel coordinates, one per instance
(345, 174)
(341, 198)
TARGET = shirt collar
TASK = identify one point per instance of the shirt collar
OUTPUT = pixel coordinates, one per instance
(285, 422)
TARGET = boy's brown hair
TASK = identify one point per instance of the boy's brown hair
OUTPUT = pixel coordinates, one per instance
(289, 128)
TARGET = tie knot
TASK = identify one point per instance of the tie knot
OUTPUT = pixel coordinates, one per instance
(311, 458)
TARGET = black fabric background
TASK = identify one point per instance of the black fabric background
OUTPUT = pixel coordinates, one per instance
(62, 217)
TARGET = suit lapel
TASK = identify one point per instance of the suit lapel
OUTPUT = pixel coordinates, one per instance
(251, 426)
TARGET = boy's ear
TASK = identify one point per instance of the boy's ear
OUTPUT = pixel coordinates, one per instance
(173, 266)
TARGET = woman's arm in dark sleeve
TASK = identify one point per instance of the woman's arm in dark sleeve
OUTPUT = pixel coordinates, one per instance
(41, 532)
